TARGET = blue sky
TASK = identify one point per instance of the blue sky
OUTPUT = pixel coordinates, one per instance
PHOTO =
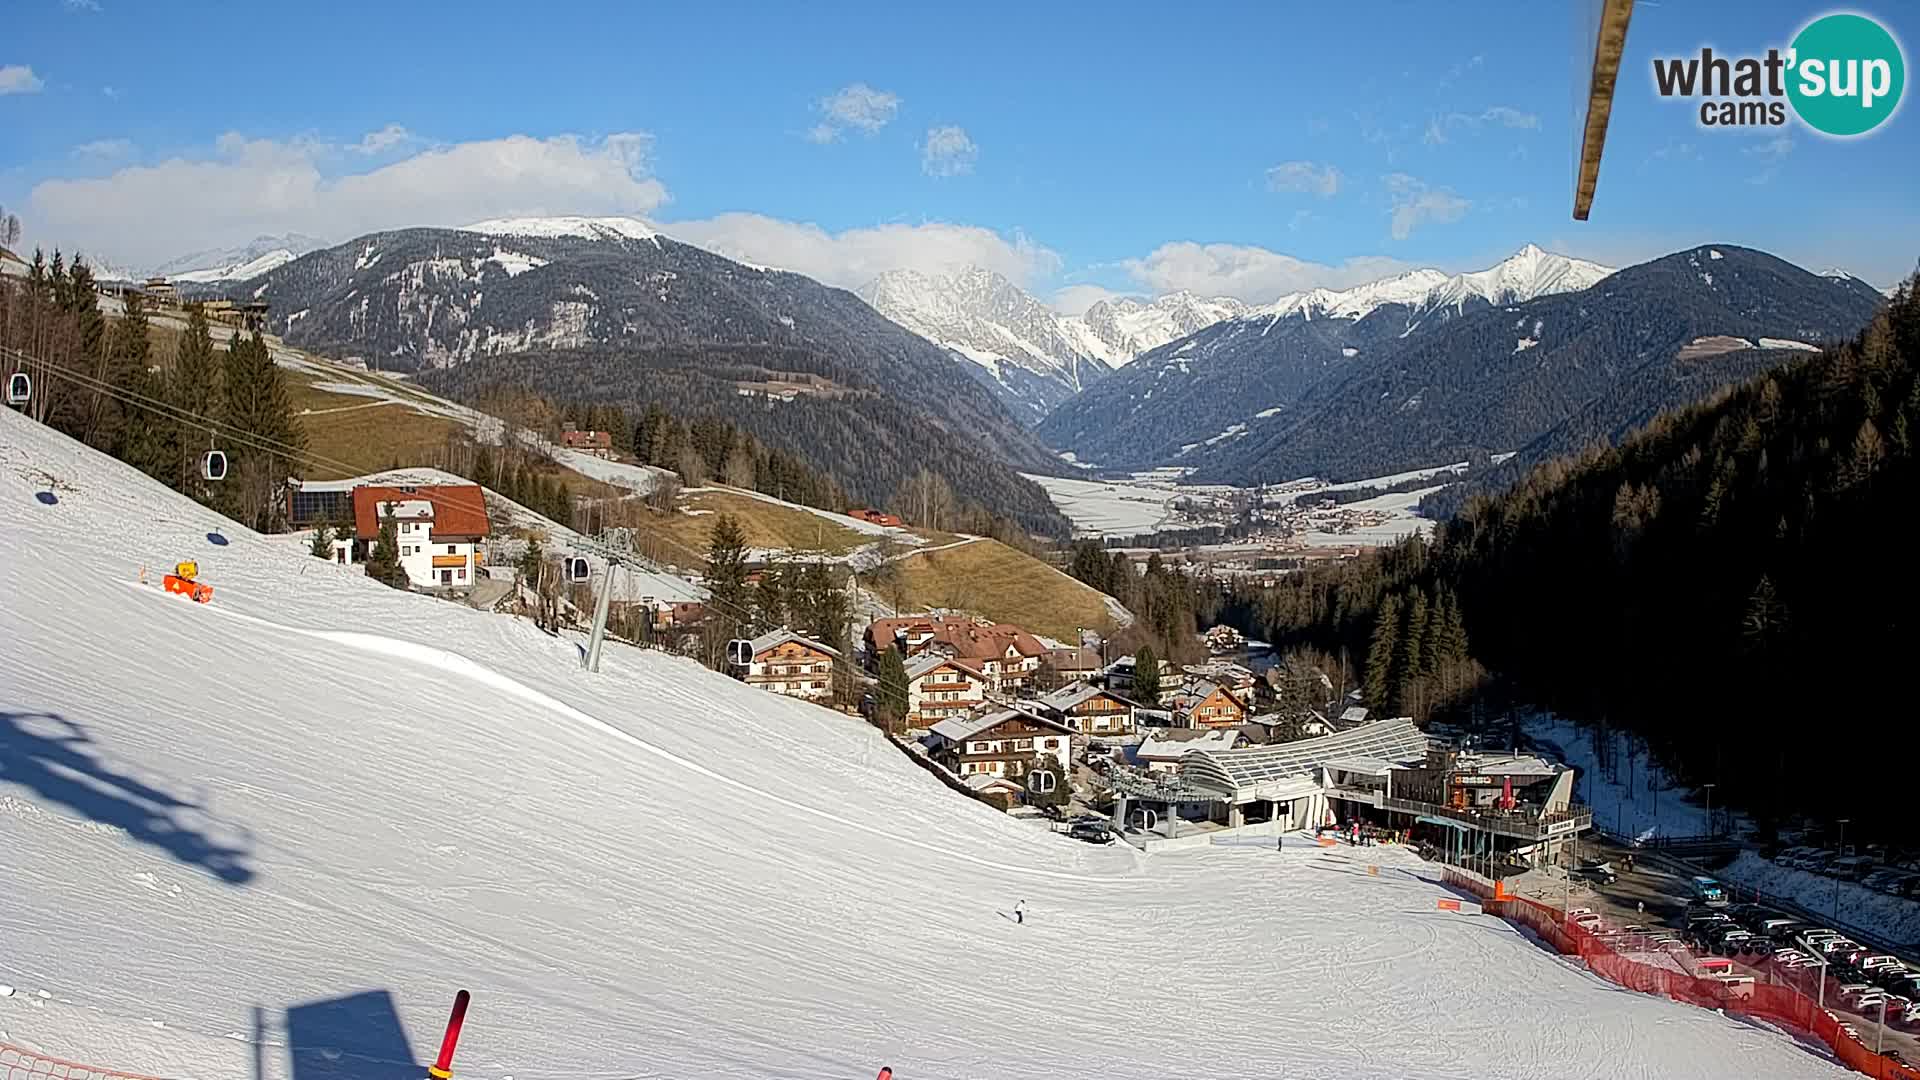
(1239, 149)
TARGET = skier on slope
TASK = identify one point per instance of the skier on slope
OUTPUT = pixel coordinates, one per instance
(1020, 913)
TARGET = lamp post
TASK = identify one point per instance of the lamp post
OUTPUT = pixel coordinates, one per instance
(1842, 846)
(1709, 790)
(1880, 1040)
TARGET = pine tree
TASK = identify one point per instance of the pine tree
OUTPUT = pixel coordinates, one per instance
(1146, 677)
(530, 562)
(195, 392)
(727, 569)
(322, 546)
(1412, 645)
(258, 407)
(891, 697)
(1384, 645)
(383, 562)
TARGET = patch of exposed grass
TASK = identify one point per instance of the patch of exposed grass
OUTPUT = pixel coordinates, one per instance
(991, 579)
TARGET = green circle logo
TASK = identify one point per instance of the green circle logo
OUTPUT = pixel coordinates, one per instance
(1846, 75)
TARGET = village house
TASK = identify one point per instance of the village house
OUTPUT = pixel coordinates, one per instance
(440, 529)
(1089, 710)
(1006, 743)
(940, 687)
(13, 266)
(1118, 677)
(783, 662)
(1161, 751)
(876, 517)
(595, 443)
(1204, 704)
(1224, 639)
(1006, 655)
(1074, 663)
(1235, 677)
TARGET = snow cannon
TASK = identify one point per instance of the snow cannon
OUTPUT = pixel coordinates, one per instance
(182, 581)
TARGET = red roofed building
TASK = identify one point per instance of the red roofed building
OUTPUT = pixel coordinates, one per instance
(441, 527)
(597, 443)
(1006, 655)
(875, 517)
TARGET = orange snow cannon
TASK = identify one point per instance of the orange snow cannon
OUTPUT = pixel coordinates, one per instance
(182, 581)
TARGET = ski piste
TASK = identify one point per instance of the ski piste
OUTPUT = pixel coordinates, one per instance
(271, 835)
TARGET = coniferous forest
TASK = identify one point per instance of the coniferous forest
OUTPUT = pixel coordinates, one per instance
(1728, 584)
(102, 382)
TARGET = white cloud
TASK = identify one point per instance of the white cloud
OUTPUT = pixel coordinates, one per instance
(1773, 149)
(1416, 204)
(1510, 117)
(110, 91)
(1304, 176)
(948, 152)
(19, 79)
(386, 138)
(1440, 128)
(856, 106)
(80, 5)
(105, 149)
(1253, 274)
(1076, 299)
(145, 214)
(853, 257)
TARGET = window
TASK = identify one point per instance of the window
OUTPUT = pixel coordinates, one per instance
(460, 575)
(450, 550)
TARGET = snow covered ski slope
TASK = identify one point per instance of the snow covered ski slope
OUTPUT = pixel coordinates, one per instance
(270, 836)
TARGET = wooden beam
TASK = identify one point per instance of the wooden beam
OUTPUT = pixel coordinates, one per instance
(1611, 43)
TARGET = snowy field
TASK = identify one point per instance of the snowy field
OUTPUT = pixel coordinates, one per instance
(1640, 800)
(1403, 520)
(1097, 508)
(270, 836)
(1891, 917)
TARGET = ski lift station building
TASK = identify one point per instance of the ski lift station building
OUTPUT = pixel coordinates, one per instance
(1387, 773)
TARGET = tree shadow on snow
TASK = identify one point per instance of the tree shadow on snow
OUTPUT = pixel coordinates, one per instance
(355, 1037)
(55, 759)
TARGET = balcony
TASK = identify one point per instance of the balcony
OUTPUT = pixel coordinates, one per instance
(1525, 823)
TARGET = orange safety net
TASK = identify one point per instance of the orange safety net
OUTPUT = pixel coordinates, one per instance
(20, 1063)
(1782, 1004)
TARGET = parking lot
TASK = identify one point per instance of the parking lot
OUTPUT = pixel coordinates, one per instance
(1652, 897)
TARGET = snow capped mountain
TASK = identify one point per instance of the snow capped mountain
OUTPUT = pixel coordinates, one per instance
(241, 263)
(1012, 342)
(1528, 273)
(585, 228)
(1116, 331)
(1410, 289)
(1236, 377)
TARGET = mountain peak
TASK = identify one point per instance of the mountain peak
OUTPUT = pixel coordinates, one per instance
(586, 228)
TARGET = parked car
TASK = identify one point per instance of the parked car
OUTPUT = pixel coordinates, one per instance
(1708, 891)
(1851, 868)
(1849, 991)
(1780, 929)
(1092, 832)
(1597, 870)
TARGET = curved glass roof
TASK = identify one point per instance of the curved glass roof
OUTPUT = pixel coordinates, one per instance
(1229, 770)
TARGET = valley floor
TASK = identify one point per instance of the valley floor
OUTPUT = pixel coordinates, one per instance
(270, 836)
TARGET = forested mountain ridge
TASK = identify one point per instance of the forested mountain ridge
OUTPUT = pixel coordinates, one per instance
(867, 443)
(1722, 583)
(617, 309)
(1651, 336)
(1239, 379)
